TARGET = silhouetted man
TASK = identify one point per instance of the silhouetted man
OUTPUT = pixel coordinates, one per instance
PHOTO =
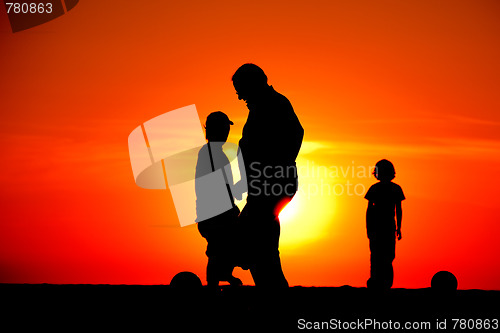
(270, 143)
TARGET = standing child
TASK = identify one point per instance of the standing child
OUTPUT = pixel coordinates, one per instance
(384, 203)
(219, 229)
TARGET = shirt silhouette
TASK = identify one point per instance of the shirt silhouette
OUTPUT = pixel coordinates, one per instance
(384, 204)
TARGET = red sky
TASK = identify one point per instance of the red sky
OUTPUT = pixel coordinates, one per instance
(414, 82)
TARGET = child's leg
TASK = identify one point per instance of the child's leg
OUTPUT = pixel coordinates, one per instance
(381, 257)
(391, 256)
(219, 269)
(212, 272)
(225, 270)
(373, 281)
(234, 281)
(387, 270)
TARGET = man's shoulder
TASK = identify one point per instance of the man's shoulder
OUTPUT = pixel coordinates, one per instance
(279, 97)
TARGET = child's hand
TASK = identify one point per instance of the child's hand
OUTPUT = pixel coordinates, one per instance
(398, 233)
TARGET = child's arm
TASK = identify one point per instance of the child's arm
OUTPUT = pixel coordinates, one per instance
(399, 217)
(369, 218)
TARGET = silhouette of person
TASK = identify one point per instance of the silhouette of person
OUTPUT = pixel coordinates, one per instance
(219, 230)
(384, 202)
(270, 142)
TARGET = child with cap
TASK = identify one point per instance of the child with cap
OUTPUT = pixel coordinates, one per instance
(219, 229)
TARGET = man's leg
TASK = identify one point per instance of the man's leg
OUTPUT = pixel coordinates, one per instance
(262, 228)
(261, 214)
(267, 271)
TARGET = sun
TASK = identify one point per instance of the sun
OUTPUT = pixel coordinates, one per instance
(290, 210)
(306, 218)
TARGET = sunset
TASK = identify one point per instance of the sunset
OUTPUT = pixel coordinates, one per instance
(413, 82)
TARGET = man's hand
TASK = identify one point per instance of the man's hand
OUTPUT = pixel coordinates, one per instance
(398, 233)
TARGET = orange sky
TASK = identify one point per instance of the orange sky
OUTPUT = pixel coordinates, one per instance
(413, 82)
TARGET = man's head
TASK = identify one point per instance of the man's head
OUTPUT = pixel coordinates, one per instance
(217, 126)
(248, 81)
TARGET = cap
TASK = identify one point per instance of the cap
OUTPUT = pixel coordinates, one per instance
(218, 117)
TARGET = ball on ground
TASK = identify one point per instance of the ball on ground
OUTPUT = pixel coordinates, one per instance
(186, 280)
(444, 281)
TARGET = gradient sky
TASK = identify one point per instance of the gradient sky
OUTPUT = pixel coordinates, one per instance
(412, 81)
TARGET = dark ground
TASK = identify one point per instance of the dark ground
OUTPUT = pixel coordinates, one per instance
(166, 309)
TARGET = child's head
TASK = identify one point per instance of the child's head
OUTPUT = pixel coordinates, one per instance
(384, 170)
(217, 126)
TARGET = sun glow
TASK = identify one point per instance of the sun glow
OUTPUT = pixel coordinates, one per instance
(290, 211)
(306, 217)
